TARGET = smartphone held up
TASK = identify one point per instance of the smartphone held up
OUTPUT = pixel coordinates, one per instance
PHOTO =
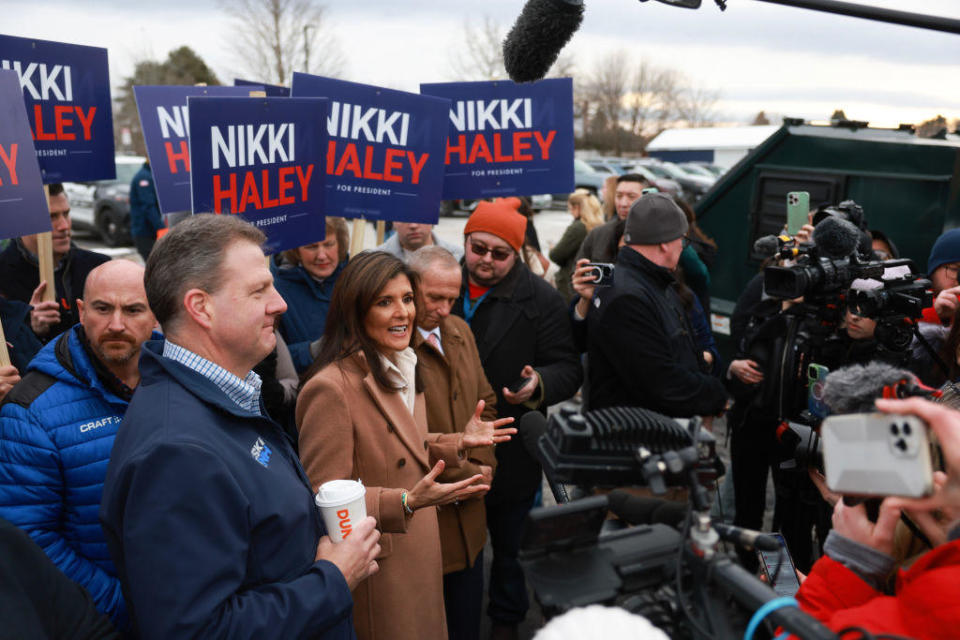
(877, 454)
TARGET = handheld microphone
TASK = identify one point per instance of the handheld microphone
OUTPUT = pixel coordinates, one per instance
(532, 427)
(537, 37)
(853, 389)
(746, 538)
(836, 238)
(640, 510)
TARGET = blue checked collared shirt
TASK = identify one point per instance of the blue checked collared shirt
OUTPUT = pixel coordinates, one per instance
(245, 393)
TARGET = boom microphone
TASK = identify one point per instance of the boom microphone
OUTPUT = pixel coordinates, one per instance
(537, 37)
(853, 389)
(836, 238)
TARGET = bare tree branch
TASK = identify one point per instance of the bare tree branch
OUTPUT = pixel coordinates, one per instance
(696, 106)
(652, 99)
(479, 54)
(273, 38)
(608, 89)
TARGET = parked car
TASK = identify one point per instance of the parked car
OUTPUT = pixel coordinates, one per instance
(715, 169)
(104, 206)
(451, 207)
(697, 170)
(585, 177)
(693, 186)
(620, 166)
(604, 167)
(111, 202)
(80, 196)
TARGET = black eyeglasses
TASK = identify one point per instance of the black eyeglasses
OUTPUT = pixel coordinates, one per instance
(499, 254)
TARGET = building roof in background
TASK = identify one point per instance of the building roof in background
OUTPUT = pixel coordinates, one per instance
(711, 138)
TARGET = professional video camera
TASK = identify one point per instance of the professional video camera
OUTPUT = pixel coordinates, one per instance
(822, 274)
(677, 578)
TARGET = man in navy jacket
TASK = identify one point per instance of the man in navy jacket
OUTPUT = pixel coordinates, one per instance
(145, 217)
(207, 512)
(57, 427)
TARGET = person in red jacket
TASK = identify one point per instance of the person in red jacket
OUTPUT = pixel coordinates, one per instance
(845, 587)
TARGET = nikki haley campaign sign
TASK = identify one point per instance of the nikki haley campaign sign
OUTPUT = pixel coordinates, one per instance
(507, 138)
(23, 207)
(165, 121)
(264, 160)
(66, 90)
(385, 150)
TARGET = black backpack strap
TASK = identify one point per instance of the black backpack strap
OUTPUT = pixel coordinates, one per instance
(30, 387)
(36, 382)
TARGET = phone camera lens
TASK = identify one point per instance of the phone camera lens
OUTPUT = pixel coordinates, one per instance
(894, 430)
(906, 428)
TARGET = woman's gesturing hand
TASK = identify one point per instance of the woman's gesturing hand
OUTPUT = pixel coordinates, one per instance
(429, 492)
(482, 433)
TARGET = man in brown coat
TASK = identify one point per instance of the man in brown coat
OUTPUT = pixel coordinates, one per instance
(454, 382)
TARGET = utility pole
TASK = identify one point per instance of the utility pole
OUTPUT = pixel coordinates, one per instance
(306, 47)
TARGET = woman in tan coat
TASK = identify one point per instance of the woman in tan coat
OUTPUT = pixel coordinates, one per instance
(361, 415)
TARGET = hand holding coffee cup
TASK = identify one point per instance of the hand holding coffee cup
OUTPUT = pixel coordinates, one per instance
(354, 556)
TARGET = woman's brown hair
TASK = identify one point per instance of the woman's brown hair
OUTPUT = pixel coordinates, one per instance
(335, 225)
(357, 288)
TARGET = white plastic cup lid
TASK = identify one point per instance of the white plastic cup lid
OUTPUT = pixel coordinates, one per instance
(339, 492)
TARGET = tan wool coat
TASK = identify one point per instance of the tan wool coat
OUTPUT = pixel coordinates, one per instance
(453, 382)
(351, 427)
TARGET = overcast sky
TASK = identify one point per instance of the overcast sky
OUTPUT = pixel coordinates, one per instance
(759, 56)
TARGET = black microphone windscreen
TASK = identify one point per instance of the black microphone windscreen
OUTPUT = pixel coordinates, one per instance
(532, 425)
(537, 37)
(853, 389)
(766, 246)
(633, 509)
(836, 238)
(671, 513)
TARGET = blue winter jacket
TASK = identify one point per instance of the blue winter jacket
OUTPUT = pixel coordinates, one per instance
(211, 521)
(307, 303)
(56, 430)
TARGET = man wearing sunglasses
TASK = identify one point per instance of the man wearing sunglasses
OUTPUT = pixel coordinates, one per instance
(642, 350)
(526, 348)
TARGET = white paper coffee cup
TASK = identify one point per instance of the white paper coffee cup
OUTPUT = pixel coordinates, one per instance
(342, 506)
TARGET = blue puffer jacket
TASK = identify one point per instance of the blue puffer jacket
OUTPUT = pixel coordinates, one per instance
(56, 432)
(307, 303)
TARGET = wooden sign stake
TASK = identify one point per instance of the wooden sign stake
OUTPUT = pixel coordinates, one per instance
(4, 354)
(381, 231)
(45, 256)
(356, 237)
